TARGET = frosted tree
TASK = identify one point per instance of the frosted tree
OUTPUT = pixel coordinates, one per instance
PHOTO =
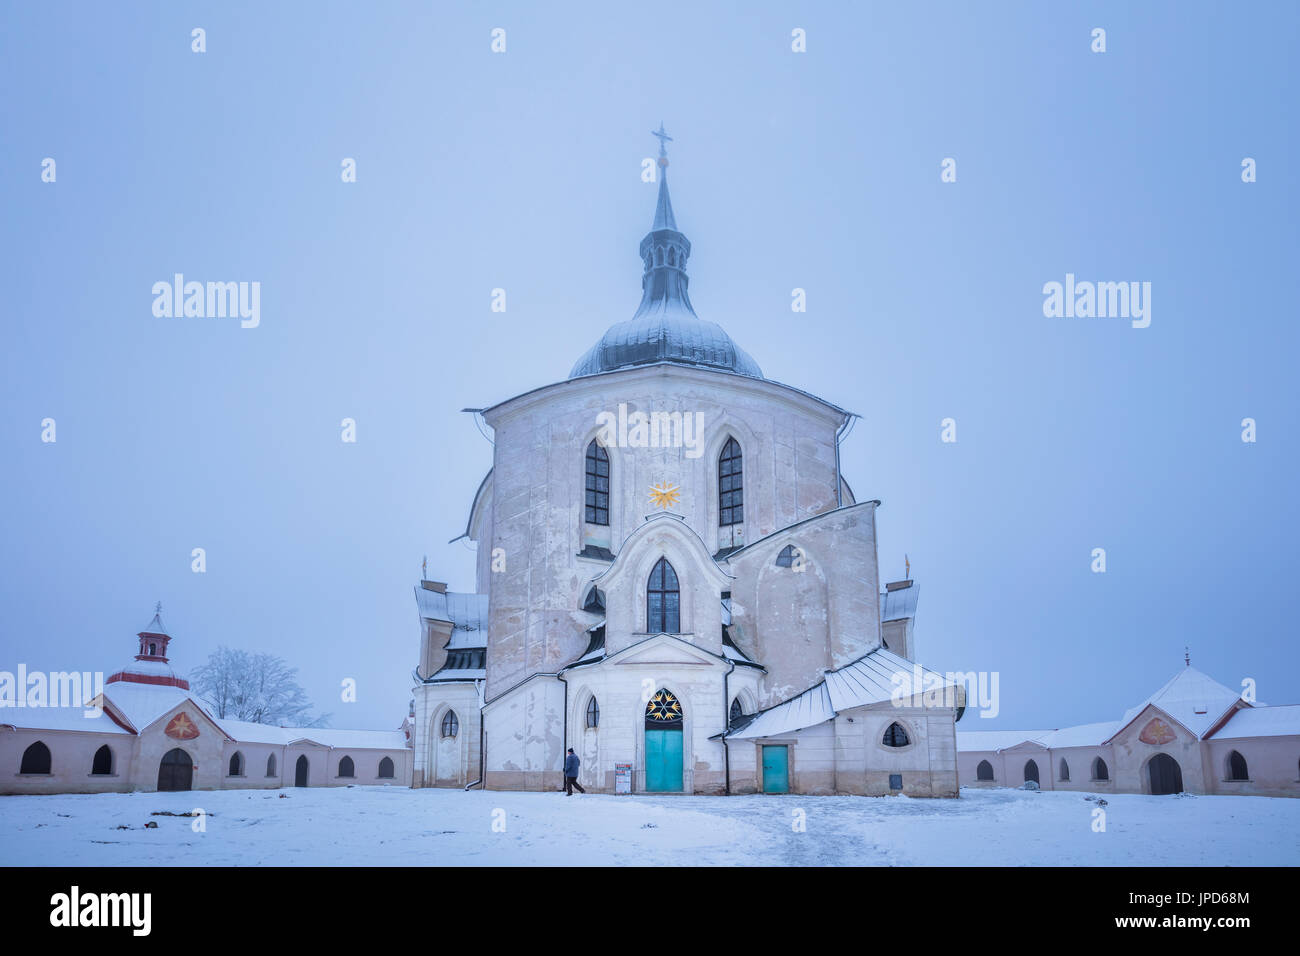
(261, 688)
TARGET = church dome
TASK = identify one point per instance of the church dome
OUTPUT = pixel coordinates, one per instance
(665, 327)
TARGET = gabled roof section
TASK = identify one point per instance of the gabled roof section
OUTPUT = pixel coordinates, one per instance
(1283, 721)
(1194, 700)
(996, 740)
(872, 679)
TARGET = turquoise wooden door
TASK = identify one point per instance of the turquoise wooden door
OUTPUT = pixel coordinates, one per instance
(776, 769)
(663, 760)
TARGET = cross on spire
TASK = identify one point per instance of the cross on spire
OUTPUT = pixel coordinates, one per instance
(157, 608)
(664, 138)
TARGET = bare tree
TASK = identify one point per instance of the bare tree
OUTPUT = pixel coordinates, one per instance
(261, 688)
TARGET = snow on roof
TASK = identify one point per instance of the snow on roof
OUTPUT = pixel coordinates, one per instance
(142, 704)
(466, 613)
(458, 673)
(877, 676)
(1282, 721)
(994, 740)
(810, 708)
(1084, 735)
(350, 739)
(59, 718)
(1191, 698)
(244, 731)
(151, 668)
(871, 679)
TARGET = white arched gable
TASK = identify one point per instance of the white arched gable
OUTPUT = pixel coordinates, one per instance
(700, 579)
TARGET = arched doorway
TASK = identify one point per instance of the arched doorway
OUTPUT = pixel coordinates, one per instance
(663, 743)
(1031, 771)
(300, 771)
(176, 771)
(1165, 775)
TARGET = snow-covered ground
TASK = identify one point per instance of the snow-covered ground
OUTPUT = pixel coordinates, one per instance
(392, 825)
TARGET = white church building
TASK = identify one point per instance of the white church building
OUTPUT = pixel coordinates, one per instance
(675, 580)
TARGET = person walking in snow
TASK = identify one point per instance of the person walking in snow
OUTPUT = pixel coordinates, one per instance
(571, 764)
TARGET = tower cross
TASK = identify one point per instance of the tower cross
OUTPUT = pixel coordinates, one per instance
(664, 139)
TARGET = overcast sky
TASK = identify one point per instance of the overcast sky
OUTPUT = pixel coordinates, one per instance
(521, 170)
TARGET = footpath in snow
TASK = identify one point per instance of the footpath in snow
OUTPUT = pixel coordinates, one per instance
(396, 826)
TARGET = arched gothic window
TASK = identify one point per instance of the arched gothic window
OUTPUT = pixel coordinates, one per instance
(102, 765)
(731, 494)
(593, 713)
(270, 766)
(597, 500)
(1237, 767)
(386, 768)
(347, 768)
(450, 724)
(895, 736)
(737, 711)
(236, 764)
(36, 759)
(1031, 771)
(1065, 771)
(663, 600)
(788, 556)
(1099, 770)
(984, 771)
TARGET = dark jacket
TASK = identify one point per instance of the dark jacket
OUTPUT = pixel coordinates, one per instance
(571, 763)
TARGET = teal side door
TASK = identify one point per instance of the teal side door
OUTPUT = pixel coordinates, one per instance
(776, 769)
(663, 760)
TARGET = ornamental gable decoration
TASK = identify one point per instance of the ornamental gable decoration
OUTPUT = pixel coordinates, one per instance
(1156, 732)
(181, 727)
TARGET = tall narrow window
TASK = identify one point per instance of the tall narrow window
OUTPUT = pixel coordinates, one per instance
(1065, 771)
(731, 495)
(597, 505)
(737, 711)
(593, 713)
(1100, 770)
(236, 764)
(347, 768)
(450, 724)
(270, 766)
(1237, 767)
(103, 762)
(663, 600)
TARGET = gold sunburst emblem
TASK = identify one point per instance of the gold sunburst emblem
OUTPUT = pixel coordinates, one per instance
(664, 495)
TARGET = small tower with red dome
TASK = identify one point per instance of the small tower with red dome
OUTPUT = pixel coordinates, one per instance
(151, 665)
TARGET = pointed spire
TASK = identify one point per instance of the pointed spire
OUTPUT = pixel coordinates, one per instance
(156, 625)
(664, 208)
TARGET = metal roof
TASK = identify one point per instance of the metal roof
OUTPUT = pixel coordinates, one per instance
(466, 613)
(900, 603)
(872, 679)
(665, 327)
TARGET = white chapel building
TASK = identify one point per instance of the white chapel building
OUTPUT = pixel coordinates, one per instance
(675, 580)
